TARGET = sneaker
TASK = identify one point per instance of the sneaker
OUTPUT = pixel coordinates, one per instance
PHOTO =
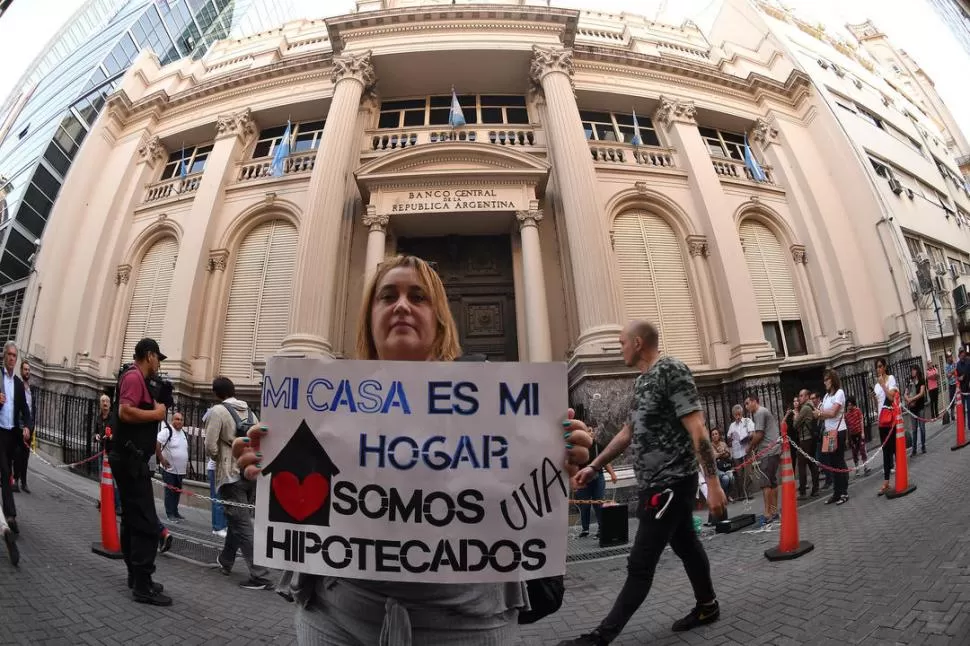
(844, 498)
(221, 533)
(256, 584)
(155, 586)
(165, 544)
(774, 518)
(151, 597)
(701, 615)
(831, 500)
(583, 534)
(173, 520)
(11, 540)
(858, 471)
(589, 639)
(225, 571)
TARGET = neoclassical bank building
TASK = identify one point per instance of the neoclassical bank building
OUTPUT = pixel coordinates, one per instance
(548, 226)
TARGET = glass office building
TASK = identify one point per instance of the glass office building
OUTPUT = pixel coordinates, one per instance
(51, 110)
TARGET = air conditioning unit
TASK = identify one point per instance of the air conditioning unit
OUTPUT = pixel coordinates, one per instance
(960, 298)
(939, 285)
(921, 259)
(823, 64)
(953, 273)
(895, 186)
(910, 194)
(941, 269)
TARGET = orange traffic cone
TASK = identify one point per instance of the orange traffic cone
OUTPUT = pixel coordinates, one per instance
(789, 547)
(903, 485)
(961, 423)
(109, 546)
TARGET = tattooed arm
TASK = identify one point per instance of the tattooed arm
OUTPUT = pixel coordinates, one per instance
(704, 450)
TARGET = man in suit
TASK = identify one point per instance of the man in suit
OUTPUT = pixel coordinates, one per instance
(21, 458)
(14, 429)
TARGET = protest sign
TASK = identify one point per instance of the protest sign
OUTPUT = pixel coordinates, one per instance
(413, 471)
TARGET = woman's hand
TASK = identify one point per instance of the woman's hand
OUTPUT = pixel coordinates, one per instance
(247, 454)
(578, 441)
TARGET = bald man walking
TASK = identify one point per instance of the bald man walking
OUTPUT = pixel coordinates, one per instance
(670, 440)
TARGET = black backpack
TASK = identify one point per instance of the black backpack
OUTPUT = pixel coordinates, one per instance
(242, 425)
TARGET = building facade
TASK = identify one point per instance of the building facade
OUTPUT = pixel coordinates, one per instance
(955, 14)
(55, 104)
(548, 227)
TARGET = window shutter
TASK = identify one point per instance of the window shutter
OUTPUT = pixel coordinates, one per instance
(149, 300)
(774, 287)
(259, 299)
(655, 285)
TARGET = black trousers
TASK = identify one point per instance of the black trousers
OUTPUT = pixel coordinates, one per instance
(836, 460)
(10, 440)
(20, 461)
(139, 521)
(888, 450)
(675, 527)
(807, 445)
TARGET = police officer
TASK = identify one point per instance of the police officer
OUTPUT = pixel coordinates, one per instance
(132, 445)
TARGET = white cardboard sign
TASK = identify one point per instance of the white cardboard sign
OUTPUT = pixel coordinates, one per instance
(407, 471)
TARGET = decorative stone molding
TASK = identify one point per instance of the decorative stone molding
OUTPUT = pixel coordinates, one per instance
(354, 66)
(269, 197)
(697, 246)
(641, 187)
(373, 221)
(546, 60)
(763, 133)
(530, 218)
(123, 274)
(798, 254)
(218, 259)
(238, 124)
(675, 111)
(152, 150)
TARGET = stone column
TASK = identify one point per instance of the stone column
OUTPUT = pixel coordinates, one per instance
(706, 299)
(536, 310)
(217, 297)
(376, 241)
(596, 287)
(732, 284)
(314, 284)
(187, 296)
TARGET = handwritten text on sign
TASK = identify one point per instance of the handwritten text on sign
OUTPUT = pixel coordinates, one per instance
(405, 471)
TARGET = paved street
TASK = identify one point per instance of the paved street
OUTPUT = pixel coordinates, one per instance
(883, 572)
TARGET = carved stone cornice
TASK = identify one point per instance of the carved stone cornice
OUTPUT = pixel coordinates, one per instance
(358, 67)
(374, 221)
(546, 60)
(218, 259)
(123, 274)
(763, 132)
(697, 246)
(798, 254)
(238, 124)
(672, 111)
(152, 150)
(530, 218)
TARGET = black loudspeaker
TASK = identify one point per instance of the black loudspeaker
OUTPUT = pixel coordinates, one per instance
(727, 526)
(614, 525)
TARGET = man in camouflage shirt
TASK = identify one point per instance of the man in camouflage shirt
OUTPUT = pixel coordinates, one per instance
(670, 440)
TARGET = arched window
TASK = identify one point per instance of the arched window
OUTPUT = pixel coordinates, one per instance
(259, 299)
(149, 300)
(655, 285)
(774, 289)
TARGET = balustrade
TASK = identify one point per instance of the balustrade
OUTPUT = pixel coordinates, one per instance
(380, 140)
(176, 186)
(734, 169)
(630, 155)
(262, 167)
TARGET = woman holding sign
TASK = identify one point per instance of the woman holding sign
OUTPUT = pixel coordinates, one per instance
(405, 317)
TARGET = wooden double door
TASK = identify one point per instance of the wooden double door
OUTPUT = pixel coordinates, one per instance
(477, 274)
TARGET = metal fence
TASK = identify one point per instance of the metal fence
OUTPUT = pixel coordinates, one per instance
(70, 423)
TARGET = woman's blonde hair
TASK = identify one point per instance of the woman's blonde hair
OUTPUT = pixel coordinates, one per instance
(445, 346)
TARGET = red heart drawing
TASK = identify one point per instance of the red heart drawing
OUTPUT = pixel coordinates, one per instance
(300, 500)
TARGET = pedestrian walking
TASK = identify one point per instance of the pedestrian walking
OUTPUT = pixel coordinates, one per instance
(915, 401)
(832, 412)
(883, 394)
(670, 439)
(857, 438)
(14, 430)
(405, 317)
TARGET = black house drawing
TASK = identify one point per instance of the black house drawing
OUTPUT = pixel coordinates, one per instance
(301, 479)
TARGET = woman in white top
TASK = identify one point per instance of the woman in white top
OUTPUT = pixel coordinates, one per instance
(884, 393)
(832, 411)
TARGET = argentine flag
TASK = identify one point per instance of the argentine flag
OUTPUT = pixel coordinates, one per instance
(637, 140)
(456, 118)
(757, 173)
(183, 166)
(281, 153)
